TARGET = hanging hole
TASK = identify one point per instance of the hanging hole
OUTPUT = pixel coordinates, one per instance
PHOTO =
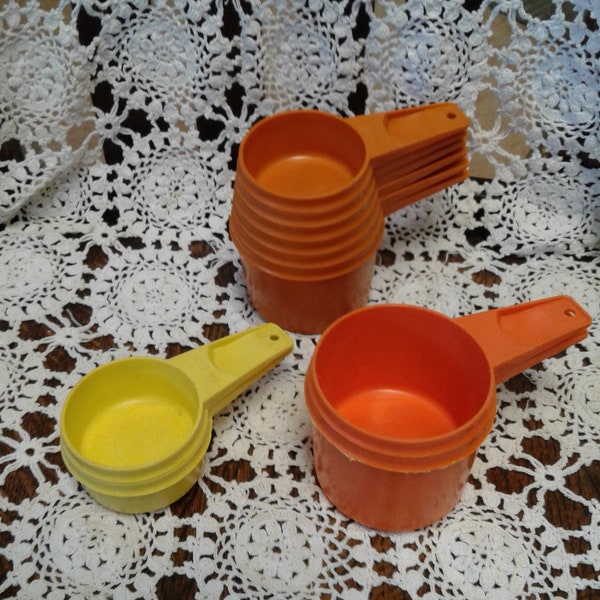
(570, 312)
(451, 115)
(274, 337)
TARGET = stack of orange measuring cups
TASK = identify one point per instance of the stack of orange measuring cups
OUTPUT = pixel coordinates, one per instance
(311, 193)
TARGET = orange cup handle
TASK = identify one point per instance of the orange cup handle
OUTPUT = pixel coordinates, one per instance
(391, 138)
(408, 129)
(517, 337)
(417, 191)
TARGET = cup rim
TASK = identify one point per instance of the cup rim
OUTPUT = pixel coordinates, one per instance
(391, 453)
(278, 120)
(144, 478)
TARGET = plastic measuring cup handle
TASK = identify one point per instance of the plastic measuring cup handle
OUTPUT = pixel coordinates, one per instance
(393, 137)
(517, 337)
(223, 369)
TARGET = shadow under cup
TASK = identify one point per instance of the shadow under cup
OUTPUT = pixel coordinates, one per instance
(305, 219)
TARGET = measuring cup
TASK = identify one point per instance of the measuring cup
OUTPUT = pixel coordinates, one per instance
(135, 430)
(401, 398)
(310, 196)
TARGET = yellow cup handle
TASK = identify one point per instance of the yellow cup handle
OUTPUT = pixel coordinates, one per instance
(223, 369)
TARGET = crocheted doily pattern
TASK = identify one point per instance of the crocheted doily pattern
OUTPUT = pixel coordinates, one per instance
(120, 124)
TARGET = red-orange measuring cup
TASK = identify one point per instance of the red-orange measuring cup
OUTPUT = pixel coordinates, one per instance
(310, 196)
(401, 398)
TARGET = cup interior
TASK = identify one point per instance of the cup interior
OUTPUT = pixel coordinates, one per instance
(402, 372)
(130, 413)
(303, 154)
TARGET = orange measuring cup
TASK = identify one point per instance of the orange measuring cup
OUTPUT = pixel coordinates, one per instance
(401, 398)
(310, 196)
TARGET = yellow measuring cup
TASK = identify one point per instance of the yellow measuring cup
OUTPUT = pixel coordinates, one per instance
(134, 431)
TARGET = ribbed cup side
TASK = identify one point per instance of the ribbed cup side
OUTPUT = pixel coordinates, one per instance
(307, 263)
(285, 216)
(310, 237)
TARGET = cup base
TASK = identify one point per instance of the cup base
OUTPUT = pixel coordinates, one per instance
(305, 306)
(383, 499)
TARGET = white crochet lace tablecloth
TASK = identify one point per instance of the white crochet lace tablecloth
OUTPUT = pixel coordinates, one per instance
(119, 127)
